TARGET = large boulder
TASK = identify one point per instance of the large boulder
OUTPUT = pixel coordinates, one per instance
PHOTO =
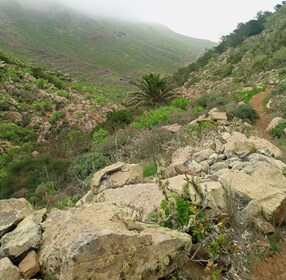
(116, 176)
(145, 198)
(8, 271)
(26, 236)
(239, 144)
(274, 123)
(94, 242)
(261, 181)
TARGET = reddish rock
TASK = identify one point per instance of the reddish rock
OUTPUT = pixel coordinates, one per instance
(29, 266)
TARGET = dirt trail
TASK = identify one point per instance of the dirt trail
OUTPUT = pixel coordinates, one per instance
(274, 267)
(264, 118)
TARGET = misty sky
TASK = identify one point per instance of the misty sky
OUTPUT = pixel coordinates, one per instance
(209, 19)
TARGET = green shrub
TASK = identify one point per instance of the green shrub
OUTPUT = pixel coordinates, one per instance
(63, 93)
(41, 83)
(150, 170)
(30, 173)
(88, 164)
(99, 136)
(18, 134)
(246, 112)
(56, 116)
(154, 117)
(246, 96)
(278, 130)
(180, 102)
(43, 105)
(198, 110)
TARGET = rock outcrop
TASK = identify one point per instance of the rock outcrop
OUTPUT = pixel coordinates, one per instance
(94, 242)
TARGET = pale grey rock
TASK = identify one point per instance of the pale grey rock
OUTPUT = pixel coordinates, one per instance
(8, 271)
(26, 236)
(94, 242)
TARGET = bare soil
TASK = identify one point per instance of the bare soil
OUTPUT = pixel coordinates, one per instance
(264, 118)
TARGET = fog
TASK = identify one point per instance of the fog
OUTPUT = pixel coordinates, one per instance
(207, 19)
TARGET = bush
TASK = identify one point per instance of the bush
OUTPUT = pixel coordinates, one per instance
(153, 118)
(246, 112)
(278, 130)
(99, 136)
(88, 164)
(56, 116)
(180, 102)
(30, 173)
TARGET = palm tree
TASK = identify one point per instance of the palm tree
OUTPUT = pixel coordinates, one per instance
(153, 90)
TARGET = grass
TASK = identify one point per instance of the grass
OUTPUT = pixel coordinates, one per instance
(246, 96)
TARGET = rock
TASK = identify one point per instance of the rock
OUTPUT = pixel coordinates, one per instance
(205, 166)
(26, 236)
(218, 146)
(144, 198)
(218, 116)
(269, 104)
(219, 166)
(260, 181)
(239, 165)
(39, 215)
(274, 123)
(29, 266)
(194, 167)
(12, 212)
(93, 242)
(239, 144)
(35, 154)
(174, 128)
(182, 155)
(203, 155)
(8, 271)
(15, 117)
(85, 199)
(116, 176)
(214, 110)
(8, 220)
(225, 135)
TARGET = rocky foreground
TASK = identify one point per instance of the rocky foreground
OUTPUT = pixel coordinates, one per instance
(109, 235)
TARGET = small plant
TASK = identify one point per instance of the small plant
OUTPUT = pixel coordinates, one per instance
(56, 116)
(279, 130)
(180, 102)
(150, 170)
(162, 114)
(99, 136)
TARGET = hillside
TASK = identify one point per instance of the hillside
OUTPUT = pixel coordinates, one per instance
(252, 56)
(102, 51)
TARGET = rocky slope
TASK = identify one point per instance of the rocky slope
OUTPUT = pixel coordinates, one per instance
(111, 233)
(257, 60)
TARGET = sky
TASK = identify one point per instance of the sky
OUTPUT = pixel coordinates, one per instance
(208, 19)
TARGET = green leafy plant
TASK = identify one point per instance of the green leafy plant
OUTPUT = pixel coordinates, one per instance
(99, 136)
(87, 164)
(56, 116)
(152, 118)
(180, 102)
(153, 90)
(150, 170)
(278, 130)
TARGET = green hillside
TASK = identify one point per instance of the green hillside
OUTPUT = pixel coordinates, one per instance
(252, 57)
(95, 50)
